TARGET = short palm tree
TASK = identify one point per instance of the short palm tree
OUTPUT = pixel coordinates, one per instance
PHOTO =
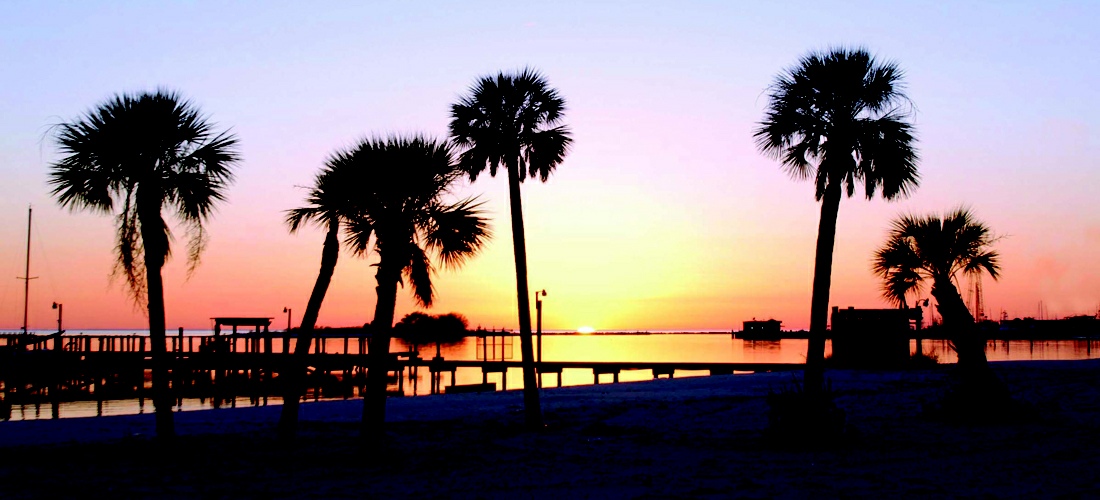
(132, 157)
(836, 118)
(513, 120)
(328, 203)
(936, 250)
(400, 213)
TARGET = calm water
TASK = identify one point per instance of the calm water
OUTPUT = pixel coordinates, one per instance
(694, 347)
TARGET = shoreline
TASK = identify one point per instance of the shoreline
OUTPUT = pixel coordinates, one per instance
(426, 408)
(687, 437)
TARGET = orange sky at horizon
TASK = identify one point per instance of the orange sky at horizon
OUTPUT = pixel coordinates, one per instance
(664, 215)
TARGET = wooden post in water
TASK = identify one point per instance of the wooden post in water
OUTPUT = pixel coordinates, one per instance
(215, 347)
(268, 343)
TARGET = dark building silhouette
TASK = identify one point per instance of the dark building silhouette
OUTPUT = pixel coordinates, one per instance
(761, 330)
(873, 338)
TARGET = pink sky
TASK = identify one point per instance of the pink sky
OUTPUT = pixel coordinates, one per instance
(664, 215)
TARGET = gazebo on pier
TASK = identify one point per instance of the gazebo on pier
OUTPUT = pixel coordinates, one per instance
(261, 326)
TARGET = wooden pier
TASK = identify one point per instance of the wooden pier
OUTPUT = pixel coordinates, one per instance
(64, 367)
(439, 366)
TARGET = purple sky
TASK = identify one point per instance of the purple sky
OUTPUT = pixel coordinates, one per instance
(663, 216)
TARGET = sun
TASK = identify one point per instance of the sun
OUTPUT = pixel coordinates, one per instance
(586, 330)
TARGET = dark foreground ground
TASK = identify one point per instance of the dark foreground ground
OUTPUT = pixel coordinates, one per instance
(683, 438)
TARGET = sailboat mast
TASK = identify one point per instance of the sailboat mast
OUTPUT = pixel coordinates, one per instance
(27, 273)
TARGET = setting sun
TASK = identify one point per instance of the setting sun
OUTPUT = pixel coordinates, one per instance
(586, 330)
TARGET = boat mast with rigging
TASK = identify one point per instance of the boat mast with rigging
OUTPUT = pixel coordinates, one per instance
(27, 273)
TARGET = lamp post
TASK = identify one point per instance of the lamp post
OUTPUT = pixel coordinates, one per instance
(59, 307)
(59, 310)
(288, 312)
(538, 311)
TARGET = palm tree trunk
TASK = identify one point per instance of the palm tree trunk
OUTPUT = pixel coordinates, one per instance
(155, 243)
(814, 378)
(959, 323)
(372, 428)
(532, 410)
(976, 391)
(296, 368)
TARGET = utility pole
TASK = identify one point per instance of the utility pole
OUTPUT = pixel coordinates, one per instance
(27, 274)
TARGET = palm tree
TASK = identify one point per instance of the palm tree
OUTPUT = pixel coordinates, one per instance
(400, 214)
(132, 157)
(835, 118)
(513, 120)
(328, 202)
(936, 250)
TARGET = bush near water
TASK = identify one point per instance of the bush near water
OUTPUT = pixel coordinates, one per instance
(421, 328)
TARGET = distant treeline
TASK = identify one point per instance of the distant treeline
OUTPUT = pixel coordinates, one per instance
(417, 327)
(1045, 329)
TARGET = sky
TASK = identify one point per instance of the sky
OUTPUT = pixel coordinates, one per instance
(664, 215)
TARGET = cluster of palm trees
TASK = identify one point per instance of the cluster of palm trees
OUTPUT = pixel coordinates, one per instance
(387, 197)
(837, 117)
(135, 155)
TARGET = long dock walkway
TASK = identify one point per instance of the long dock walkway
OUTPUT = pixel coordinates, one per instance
(117, 366)
(598, 368)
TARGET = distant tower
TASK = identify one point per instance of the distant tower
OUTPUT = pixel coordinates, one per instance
(979, 302)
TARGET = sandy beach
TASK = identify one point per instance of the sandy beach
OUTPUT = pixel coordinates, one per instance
(684, 438)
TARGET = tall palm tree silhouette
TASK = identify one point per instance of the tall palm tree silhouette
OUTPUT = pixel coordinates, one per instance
(937, 249)
(132, 157)
(514, 120)
(328, 202)
(400, 213)
(836, 118)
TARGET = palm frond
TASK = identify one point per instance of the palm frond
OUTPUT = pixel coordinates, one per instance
(899, 266)
(358, 231)
(933, 248)
(390, 199)
(419, 274)
(834, 118)
(298, 217)
(196, 244)
(81, 186)
(129, 251)
(153, 148)
(545, 150)
(984, 261)
(456, 232)
(887, 158)
(510, 119)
